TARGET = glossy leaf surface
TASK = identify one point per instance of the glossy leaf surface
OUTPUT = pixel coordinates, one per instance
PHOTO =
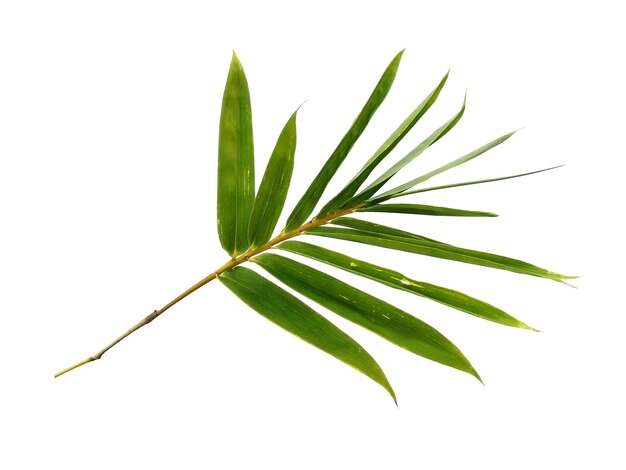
(311, 197)
(408, 158)
(351, 188)
(438, 250)
(378, 316)
(293, 315)
(443, 295)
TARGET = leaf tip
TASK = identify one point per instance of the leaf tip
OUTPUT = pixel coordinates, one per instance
(396, 60)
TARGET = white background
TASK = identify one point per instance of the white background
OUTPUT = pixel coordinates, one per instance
(108, 136)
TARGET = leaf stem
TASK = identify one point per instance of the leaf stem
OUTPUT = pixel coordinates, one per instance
(242, 258)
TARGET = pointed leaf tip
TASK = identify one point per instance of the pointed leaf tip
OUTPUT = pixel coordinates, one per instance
(389, 322)
(296, 317)
(270, 200)
(314, 192)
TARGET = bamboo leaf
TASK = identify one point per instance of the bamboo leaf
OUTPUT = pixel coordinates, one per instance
(376, 229)
(291, 314)
(467, 183)
(438, 250)
(311, 197)
(351, 188)
(274, 186)
(408, 158)
(378, 316)
(235, 167)
(421, 209)
(443, 295)
(465, 158)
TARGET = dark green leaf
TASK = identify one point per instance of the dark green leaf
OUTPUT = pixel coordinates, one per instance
(384, 319)
(408, 158)
(291, 314)
(311, 197)
(421, 209)
(438, 250)
(376, 229)
(465, 158)
(351, 188)
(274, 186)
(235, 167)
(449, 297)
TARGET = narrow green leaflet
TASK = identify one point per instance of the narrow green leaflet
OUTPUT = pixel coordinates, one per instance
(291, 314)
(274, 186)
(465, 158)
(311, 197)
(235, 164)
(421, 209)
(376, 229)
(384, 319)
(438, 250)
(351, 188)
(443, 295)
(408, 158)
(468, 183)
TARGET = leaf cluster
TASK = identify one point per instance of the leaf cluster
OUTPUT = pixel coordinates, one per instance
(247, 221)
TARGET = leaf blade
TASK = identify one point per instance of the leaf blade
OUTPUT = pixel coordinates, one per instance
(408, 158)
(235, 170)
(443, 295)
(441, 250)
(270, 199)
(459, 161)
(389, 322)
(469, 183)
(396, 136)
(293, 315)
(314, 192)
(421, 209)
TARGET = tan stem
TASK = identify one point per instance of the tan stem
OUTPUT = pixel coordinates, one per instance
(242, 258)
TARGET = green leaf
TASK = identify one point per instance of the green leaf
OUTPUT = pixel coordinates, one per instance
(408, 158)
(378, 316)
(291, 314)
(421, 209)
(465, 158)
(235, 166)
(311, 197)
(468, 183)
(438, 250)
(443, 295)
(376, 229)
(274, 186)
(351, 188)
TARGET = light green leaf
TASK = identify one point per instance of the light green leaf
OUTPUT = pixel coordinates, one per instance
(468, 183)
(443, 295)
(274, 186)
(378, 316)
(438, 250)
(421, 209)
(235, 166)
(311, 197)
(351, 188)
(291, 314)
(465, 158)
